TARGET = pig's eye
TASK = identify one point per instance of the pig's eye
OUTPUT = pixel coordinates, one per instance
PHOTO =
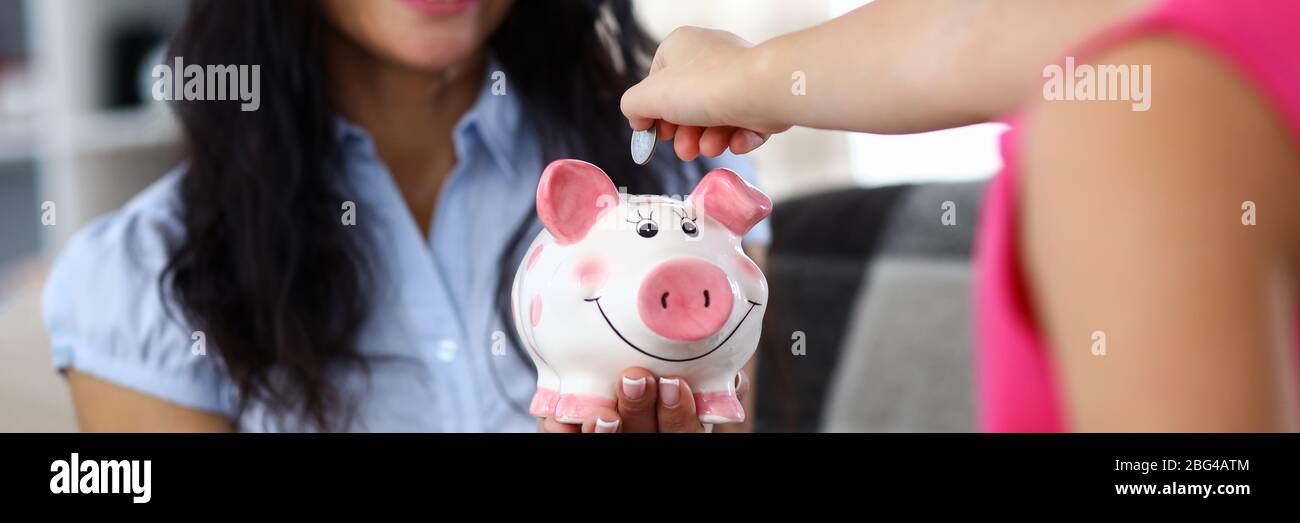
(690, 229)
(647, 229)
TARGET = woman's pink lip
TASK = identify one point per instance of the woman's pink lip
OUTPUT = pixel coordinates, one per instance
(434, 7)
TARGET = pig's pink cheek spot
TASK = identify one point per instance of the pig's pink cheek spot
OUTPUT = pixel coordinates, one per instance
(748, 266)
(535, 311)
(532, 258)
(590, 273)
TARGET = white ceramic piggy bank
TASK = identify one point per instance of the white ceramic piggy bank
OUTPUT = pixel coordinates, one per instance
(618, 281)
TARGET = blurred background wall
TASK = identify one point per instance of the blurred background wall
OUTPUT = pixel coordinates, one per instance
(75, 131)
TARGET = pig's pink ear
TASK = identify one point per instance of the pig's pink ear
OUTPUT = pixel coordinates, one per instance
(726, 197)
(571, 196)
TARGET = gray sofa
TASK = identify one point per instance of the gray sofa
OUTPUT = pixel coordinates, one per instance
(878, 286)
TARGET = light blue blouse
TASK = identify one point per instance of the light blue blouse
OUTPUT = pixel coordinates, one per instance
(434, 305)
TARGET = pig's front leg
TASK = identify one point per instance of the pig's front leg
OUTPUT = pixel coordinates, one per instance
(716, 401)
(548, 392)
(580, 395)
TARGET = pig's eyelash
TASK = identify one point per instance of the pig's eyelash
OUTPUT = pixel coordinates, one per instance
(640, 217)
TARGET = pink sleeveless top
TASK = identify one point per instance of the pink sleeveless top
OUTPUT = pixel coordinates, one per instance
(1015, 387)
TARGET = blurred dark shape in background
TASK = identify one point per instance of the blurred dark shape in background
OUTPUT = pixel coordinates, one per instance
(18, 208)
(13, 34)
(877, 288)
(130, 49)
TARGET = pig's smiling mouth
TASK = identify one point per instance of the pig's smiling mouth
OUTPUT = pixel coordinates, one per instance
(620, 335)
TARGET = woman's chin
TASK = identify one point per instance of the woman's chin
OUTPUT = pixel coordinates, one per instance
(437, 54)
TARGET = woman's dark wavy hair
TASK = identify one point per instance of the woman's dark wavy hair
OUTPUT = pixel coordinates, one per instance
(265, 268)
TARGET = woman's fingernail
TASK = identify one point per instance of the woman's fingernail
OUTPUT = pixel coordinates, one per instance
(752, 139)
(603, 426)
(634, 388)
(669, 391)
(740, 379)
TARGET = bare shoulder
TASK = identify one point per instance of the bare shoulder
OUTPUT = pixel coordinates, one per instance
(1172, 233)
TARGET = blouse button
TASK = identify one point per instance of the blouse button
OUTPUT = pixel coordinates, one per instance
(447, 350)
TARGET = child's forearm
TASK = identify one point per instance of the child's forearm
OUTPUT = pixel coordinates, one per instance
(896, 66)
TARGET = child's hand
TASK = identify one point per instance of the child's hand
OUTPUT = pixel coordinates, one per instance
(699, 90)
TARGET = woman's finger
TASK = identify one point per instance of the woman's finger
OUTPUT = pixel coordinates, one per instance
(715, 140)
(687, 142)
(550, 426)
(637, 393)
(677, 407)
(603, 419)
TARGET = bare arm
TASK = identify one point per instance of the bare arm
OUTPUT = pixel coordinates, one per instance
(918, 65)
(1133, 228)
(105, 407)
(892, 66)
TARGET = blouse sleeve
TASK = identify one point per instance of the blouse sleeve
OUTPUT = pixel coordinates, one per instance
(106, 317)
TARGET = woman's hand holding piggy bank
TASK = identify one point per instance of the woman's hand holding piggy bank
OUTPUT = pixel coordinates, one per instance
(620, 281)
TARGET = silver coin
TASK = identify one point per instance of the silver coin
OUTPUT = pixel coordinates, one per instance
(643, 144)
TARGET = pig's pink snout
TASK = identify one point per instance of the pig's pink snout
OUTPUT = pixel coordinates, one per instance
(685, 299)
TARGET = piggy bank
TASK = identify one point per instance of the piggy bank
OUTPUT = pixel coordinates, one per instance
(617, 281)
